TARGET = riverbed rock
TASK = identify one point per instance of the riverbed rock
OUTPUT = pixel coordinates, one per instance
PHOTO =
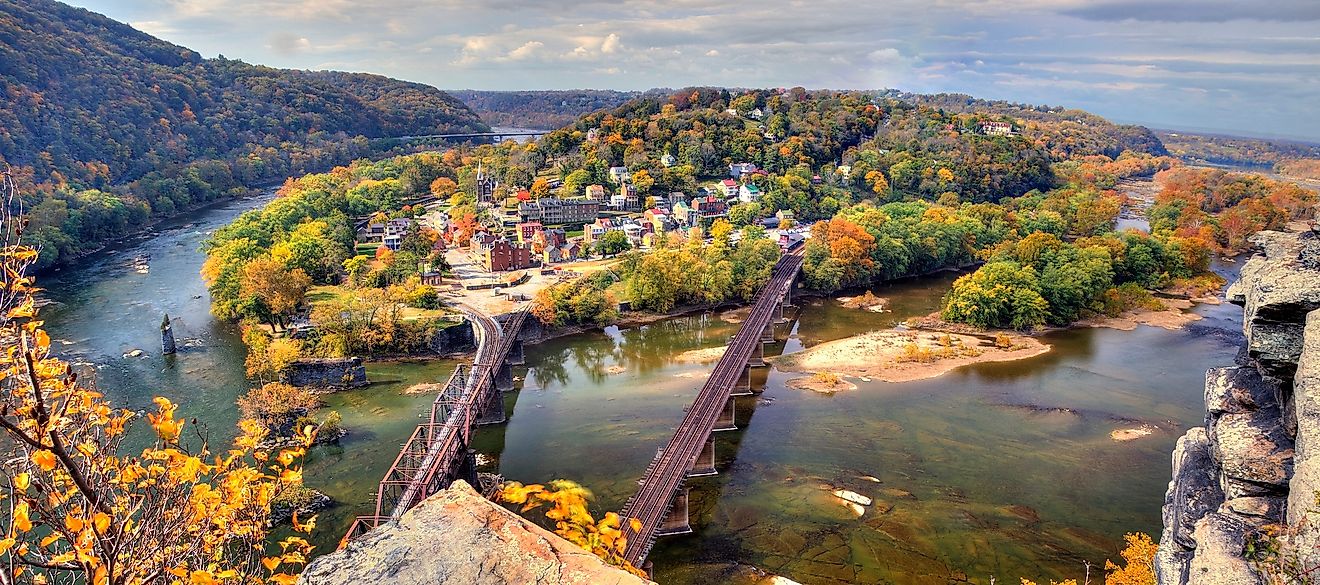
(457, 537)
(326, 373)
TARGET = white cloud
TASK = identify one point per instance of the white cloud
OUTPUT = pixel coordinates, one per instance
(526, 51)
(610, 44)
(713, 53)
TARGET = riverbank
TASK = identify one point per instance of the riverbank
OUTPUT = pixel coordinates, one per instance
(904, 355)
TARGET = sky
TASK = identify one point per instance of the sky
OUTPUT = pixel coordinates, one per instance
(1233, 66)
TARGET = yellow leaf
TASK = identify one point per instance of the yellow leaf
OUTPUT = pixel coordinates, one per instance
(5, 545)
(45, 542)
(21, 482)
(74, 523)
(270, 563)
(21, 521)
(101, 522)
(44, 459)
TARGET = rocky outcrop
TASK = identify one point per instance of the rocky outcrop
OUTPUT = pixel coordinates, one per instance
(326, 373)
(1256, 461)
(458, 537)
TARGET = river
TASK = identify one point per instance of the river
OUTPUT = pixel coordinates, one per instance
(1003, 470)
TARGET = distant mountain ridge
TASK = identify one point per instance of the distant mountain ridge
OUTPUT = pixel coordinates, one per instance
(99, 102)
(106, 127)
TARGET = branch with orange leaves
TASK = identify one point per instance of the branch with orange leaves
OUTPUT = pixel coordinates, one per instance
(566, 504)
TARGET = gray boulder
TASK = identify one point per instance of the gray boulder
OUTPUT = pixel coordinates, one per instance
(1276, 290)
(1218, 559)
(457, 537)
(1193, 493)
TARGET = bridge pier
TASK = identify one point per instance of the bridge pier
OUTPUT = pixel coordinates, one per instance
(676, 522)
(503, 377)
(516, 356)
(492, 411)
(727, 420)
(741, 389)
(705, 463)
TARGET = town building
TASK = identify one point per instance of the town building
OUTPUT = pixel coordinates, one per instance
(500, 255)
(785, 214)
(548, 238)
(554, 211)
(626, 199)
(527, 230)
(596, 192)
(485, 186)
(737, 170)
(730, 187)
(749, 193)
(708, 208)
(566, 252)
(619, 174)
(997, 128)
(593, 134)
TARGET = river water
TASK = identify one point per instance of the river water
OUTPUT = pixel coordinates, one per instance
(1005, 470)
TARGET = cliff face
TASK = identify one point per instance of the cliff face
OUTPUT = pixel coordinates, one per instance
(458, 537)
(1255, 461)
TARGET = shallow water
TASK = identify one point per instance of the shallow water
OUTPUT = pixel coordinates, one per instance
(1001, 470)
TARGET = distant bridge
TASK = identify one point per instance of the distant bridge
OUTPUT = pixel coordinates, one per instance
(661, 501)
(494, 136)
(438, 452)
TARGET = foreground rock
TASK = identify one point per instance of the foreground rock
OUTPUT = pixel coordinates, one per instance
(458, 537)
(1254, 464)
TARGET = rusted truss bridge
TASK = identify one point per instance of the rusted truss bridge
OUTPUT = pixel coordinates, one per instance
(661, 501)
(438, 452)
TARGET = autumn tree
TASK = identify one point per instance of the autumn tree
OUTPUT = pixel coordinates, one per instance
(443, 187)
(82, 509)
(276, 406)
(278, 289)
(566, 505)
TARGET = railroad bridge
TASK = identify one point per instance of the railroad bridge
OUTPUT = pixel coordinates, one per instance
(661, 500)
(438, 451)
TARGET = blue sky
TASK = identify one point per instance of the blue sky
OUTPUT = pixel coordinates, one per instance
(1232, 66)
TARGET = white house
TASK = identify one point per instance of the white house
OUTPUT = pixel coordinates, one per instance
(730, 188)
(668, 160)
(619, 174)
(737, 170)
(749, 193)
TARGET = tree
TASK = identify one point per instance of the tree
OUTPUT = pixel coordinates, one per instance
(540, 187)
(879, 185)
(276, 406)
(575, 181)
(443, 187)
(280, 290)
(643, 181)
(999, 294)
(81, 512)
(613, 242)
(356, 267)
(567, 508)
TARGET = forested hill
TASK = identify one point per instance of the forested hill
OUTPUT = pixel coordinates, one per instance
(542, 109)
(91, 103)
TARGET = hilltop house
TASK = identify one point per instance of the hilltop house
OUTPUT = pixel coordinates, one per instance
(668, 160)
(996, 128)
(730, 187)
(737, 170)
(749, 193)
(619, 174)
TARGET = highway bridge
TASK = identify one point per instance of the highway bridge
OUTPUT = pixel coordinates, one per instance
(660, 503)
(494, 136)
(438, 451)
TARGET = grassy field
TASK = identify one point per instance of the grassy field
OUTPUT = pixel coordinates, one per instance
(327, 293)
